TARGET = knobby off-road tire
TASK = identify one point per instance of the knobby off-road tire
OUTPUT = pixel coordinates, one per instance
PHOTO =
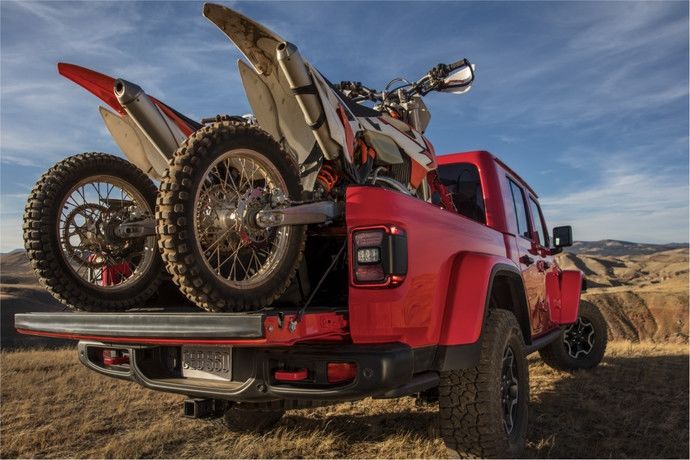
(42, 235)
(247, 417)
(471, 400)
(582, 345)
(178, 241)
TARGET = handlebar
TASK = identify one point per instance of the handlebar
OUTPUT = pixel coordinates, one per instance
(431, 81)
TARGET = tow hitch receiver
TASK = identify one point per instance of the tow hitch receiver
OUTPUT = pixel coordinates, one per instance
(204, 408)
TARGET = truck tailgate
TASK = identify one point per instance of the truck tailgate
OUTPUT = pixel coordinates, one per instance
(261, 328)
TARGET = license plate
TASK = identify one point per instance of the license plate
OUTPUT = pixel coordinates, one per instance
(213, 363)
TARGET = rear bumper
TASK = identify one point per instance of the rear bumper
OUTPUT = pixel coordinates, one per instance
(389, 370)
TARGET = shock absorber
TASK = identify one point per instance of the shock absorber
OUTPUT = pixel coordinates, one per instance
(328, 177)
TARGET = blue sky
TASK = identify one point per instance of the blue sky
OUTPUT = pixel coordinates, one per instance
(587, 101)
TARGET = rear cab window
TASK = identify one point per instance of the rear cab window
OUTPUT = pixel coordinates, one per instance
(464, 185)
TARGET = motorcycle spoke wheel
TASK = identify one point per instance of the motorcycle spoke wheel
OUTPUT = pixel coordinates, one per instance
(88, 215)
(238, 184)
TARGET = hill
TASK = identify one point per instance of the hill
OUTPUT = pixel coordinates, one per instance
(620, 248)
(642, 296)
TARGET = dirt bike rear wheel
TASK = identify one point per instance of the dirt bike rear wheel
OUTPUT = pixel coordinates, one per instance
(216, 253)
(69, 224)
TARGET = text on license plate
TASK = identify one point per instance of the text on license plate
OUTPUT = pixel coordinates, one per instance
(207, 362)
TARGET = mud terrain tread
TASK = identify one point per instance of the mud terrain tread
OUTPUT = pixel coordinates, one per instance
(174, 240)
(39, 225)
(467, 405)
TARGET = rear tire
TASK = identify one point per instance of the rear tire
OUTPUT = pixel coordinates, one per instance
(483, 410)
(582, 345)
(207, 181)
(52, 198)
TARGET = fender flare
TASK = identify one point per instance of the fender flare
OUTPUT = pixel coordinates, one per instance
(467, 305)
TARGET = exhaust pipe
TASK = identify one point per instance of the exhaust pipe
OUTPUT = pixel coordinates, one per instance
(304, 89)
(147, 117)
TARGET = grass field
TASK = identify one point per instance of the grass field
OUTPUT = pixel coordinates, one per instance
(634, 405)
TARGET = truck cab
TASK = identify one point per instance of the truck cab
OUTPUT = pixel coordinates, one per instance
(442, 304)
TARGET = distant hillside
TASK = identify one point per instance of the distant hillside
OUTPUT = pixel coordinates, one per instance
(643, 297)
(641, 288)
(616, 248)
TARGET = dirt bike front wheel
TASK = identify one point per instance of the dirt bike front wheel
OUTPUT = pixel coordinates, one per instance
(217, 254)
(70, 233)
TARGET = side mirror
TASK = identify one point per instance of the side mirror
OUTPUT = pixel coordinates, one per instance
(460, 81)
(563, 236)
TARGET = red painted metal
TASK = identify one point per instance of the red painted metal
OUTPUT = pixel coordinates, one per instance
(570, 286)
(468, 289)
(291, 376)
(413, 312)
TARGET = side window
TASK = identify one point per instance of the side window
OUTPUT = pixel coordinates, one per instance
(462, 182)
(538, 223)
(520, 210)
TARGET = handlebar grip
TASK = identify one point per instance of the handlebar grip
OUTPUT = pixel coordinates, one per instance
(458, 64)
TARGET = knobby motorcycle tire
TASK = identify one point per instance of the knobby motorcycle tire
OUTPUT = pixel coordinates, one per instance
(175, 217)
(42, 242)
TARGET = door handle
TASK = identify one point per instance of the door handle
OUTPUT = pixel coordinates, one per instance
(527, 260)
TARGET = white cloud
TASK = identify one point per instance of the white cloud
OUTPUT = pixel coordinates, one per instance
(628, 202)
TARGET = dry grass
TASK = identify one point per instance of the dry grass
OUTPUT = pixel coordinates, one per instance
(634, 405)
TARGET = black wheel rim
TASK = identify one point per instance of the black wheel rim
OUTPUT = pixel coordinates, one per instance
(509, 389)
(579, 338)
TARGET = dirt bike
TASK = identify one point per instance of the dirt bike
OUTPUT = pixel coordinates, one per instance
(236, 194)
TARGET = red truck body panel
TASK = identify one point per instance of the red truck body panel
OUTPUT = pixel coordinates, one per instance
(413, 313)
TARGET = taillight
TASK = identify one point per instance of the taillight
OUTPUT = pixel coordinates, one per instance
(341, 372)
(379, 256)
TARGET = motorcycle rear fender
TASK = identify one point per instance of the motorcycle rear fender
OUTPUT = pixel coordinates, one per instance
(272, 103)
(128, 136)
(136, 147)
(270, 96)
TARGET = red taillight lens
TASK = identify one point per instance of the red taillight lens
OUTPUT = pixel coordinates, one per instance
(341, 372)
(369, 238)
(369, 273)
(379, 256)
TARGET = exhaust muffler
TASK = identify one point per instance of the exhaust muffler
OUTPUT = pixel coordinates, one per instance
(163, 134)
(306, 93)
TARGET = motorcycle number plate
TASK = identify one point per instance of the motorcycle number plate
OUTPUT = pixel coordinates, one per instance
(213, 363)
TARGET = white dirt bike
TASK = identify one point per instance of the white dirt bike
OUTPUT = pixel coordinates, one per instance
(236, 194)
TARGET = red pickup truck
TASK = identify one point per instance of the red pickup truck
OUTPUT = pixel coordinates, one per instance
(447, 311)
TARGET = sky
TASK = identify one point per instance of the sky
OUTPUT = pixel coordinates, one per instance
(587, 101)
